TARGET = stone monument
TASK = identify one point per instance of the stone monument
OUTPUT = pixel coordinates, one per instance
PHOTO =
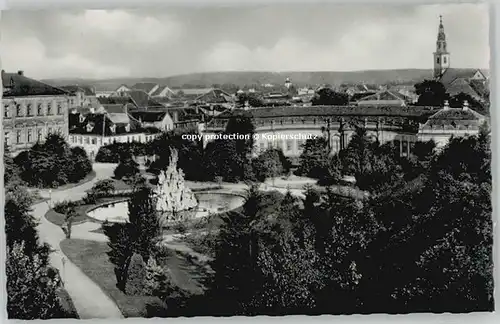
(175, 201)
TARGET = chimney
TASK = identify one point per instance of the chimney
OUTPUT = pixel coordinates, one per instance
(20, 72)
(446, 105)
(465, 105)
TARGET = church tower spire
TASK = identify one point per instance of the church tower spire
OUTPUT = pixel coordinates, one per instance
(441, 55)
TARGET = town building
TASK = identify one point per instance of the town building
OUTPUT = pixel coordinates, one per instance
(447, 122)
(32, 110)
(474, 82)
(383, 98)
(147, 87)
(112, 124)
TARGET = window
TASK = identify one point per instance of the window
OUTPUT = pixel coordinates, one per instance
(29, 110)
(6, 111)
(6, 138)
(59, 109)
(39, 135)
(437, 60)
(30, 135)
(79, 139)
(86, 140)
(289, 145)
(49, 109)
(444, 60)
(94, 141)
(18, 136)
(39, 110)
(19, 110)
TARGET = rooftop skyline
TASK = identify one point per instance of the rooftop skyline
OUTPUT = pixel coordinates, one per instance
(293, 37)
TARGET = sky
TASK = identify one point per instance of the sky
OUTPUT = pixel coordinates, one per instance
(161, 42)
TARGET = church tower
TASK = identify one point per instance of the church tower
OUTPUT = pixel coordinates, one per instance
(441, 55)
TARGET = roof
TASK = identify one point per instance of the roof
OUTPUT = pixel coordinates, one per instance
(142, 100)
(285, 111)
(481, 87)
(451, 74)
(18, 85)
(114, 100)
(115, 108)
(149, 116)
(161, 89)
(215, 95)
(383, 96)
(144, 86)
(461, 85)
(191, 92)
(88, 91)
(455, 117)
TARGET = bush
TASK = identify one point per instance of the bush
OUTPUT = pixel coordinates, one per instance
(103, 188)
(65, 206)
(127, 169)
(136, 275)
(180, 228)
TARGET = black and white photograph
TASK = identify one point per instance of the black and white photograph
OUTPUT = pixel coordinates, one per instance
(247, 160)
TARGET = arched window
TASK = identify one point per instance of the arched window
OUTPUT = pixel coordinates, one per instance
(444, 60)
(39, 111)
(437, 60)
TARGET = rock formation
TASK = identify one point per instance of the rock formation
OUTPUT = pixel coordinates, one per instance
(173, 197)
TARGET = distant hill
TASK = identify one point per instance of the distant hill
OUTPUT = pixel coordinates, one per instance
(241, 78)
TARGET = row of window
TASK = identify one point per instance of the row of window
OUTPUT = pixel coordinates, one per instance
(30, 135)
(30, 110)
(76, 139)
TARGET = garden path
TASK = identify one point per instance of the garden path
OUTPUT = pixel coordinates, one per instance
(89, 300)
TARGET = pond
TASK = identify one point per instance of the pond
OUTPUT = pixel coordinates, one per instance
(210, 202)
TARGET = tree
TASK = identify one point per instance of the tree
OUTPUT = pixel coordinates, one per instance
(126, 169)
(144, 222)
(252, 99)
(53, 163)
(121, 250)
(328, 97)
(457, 101)
(314, 158)
(269, 164)
(136, 275)
(31, 286)
(430, 93)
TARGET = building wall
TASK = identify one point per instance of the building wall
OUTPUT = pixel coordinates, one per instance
(29, 119)
(442, 137)
(92, 143)
(291, 137)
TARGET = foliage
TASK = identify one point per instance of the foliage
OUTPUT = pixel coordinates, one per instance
(31, 286)
(53, 163)
(252, 99)
(158, 280)
(314, 158)
(144, 222)
(329, 97)
(269, 164)
(120, 250)
(430, 93)
(116, 152)
(126, 169)
(136, 275)
(103, 188)
(457, 101)
(65, 206)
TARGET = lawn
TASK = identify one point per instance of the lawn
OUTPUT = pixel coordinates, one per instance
(58, 219)
(91, 258)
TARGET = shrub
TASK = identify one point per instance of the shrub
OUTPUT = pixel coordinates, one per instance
(65, 206)
(103, 188)
(180, 228)
(136, 275)
(126, 169)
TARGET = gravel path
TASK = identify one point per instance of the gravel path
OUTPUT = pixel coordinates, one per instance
(89, 300)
